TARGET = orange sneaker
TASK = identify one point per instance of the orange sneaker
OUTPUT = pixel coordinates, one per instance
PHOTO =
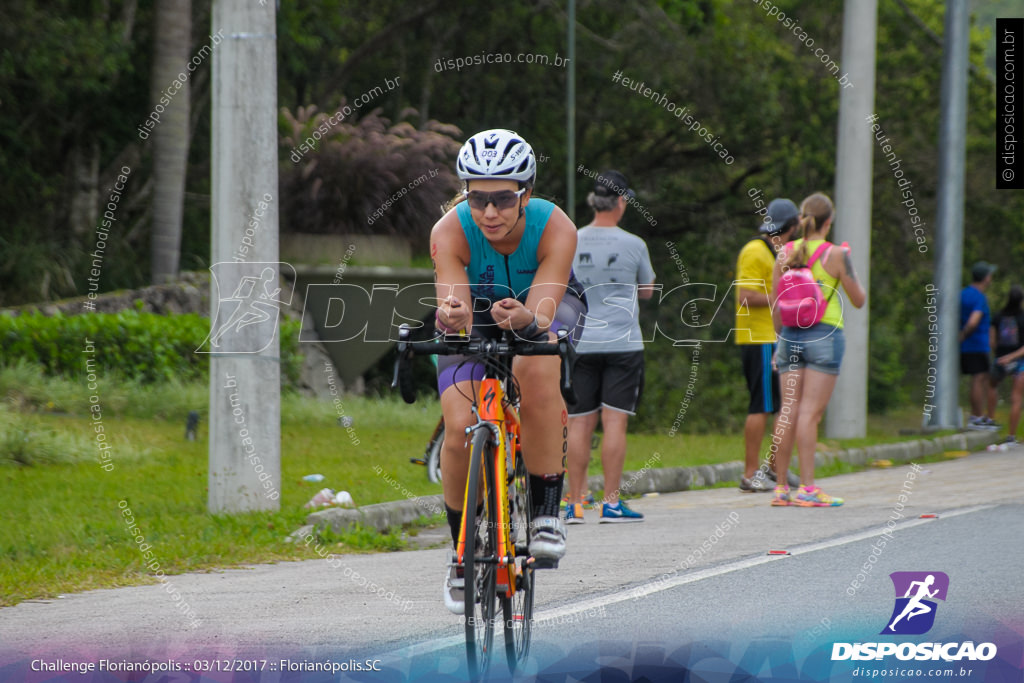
(781, 498)
(814, 497)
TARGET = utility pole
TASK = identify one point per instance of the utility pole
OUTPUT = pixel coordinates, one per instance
(245, 369)
(847, 415)
(949, 219)
(570, 161)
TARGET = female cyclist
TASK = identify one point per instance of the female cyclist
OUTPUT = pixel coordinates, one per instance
(503, 261)
(808, 359)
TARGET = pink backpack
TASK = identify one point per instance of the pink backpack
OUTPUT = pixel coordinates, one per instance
(801, 303)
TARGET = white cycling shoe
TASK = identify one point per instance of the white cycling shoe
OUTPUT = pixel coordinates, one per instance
(547, 541)
(454, 589)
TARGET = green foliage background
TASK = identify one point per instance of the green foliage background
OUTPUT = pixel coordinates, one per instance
(72, 76)
(134, 346)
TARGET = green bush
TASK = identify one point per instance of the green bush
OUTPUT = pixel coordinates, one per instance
(135, 345)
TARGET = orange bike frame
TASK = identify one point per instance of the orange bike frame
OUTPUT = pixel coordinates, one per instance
(491, 407)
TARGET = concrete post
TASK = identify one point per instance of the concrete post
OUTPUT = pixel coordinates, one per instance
(847, 412)
(245, 385)
(949, 216)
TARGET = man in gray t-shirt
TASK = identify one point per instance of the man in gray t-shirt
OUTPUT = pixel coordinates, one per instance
(615, 268)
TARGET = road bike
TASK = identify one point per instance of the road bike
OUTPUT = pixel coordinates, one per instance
(493, 540)
(432, 455)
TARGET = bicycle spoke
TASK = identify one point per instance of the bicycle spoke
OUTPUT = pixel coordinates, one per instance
(480, 569)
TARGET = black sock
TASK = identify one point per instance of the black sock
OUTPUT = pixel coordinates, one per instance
(454, 523)
(546, 494)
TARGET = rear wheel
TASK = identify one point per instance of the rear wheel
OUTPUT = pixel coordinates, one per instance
(518, 610)
(434, 458)
(480, 557)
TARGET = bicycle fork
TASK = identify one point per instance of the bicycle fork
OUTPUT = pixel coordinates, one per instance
(505, 552)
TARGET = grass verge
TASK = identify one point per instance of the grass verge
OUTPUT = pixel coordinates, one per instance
(66, 529)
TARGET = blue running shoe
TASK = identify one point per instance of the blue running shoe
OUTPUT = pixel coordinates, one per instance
(619, 512)
(574, 514)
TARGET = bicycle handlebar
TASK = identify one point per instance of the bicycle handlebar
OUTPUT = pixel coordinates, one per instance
(507, 347)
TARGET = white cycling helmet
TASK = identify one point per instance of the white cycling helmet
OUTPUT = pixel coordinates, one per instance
(497, 154)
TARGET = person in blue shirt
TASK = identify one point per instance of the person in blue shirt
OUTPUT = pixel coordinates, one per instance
(974, 341)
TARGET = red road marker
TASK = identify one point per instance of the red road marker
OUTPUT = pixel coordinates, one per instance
(929, 515)
(778, 552)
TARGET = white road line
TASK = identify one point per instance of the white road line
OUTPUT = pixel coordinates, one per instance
(644, 590)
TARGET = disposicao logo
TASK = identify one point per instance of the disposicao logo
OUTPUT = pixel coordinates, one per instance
(914, 614)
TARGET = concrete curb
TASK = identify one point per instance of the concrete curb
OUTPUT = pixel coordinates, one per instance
(379, 516)
(684, 478)
(662, 480)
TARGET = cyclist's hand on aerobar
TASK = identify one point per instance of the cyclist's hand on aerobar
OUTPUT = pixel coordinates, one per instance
(454, 314)
(511, 314)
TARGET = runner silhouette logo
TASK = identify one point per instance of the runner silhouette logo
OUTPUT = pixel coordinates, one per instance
(249, 301)
(916, 595)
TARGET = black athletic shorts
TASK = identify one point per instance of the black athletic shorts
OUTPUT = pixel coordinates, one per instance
(611, 380)
(762, 381)
(973, 363)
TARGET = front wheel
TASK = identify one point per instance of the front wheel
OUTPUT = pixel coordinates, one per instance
(480, 556)
(518, 610)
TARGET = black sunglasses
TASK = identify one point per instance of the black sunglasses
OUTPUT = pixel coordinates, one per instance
(503, 199)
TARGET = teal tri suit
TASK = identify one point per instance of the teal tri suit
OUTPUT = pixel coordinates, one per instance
(493, 276)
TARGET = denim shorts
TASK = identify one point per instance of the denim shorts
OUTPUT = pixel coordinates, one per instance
(819, 347)
(1013, 369)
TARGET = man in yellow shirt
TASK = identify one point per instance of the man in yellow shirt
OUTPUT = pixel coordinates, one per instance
(755, 335)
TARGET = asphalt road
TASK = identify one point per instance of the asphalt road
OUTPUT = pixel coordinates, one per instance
(627, 597)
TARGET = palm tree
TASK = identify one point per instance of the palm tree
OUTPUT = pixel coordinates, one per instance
(170, 136)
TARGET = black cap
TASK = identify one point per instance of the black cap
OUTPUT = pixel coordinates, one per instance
(780, 212)
(611, 183)
(981, 270)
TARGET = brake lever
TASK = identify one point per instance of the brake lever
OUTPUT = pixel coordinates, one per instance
(402, 378)
(568, 354)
